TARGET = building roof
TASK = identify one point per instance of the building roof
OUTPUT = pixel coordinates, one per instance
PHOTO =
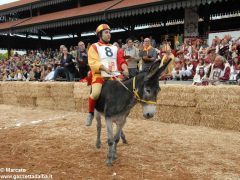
(87, 11)
(24, 5)
(16, 4)
(125, 3)
(97, 12)
(10, 24)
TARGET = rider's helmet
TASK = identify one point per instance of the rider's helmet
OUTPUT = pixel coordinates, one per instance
(100, 28)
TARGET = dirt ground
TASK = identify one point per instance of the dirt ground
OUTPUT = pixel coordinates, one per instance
(58, 143)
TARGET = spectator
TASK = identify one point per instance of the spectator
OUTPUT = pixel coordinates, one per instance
(167, 56)
(153, 41)
(82, 59)
(148, 54)
(187, 70)
(177, 70)
(59, 69)
(68, 64)
(219, 70)
(200, 76)
(132, 56)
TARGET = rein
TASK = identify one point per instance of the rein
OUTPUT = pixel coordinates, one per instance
(134, 92)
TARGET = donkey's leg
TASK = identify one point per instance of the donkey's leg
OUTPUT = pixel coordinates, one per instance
(116, 139)
(99, 127)
(123, 137)
(120, 123)
(111, 142)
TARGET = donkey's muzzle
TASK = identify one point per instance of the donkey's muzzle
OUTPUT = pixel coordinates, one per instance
(149, 111)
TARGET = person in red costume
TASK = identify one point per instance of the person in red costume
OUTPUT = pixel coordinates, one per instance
(219, 70)
(105, 61)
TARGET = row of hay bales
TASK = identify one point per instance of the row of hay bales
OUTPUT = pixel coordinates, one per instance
(215, 106)
(47, 95)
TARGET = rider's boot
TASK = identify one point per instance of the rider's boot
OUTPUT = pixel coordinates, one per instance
(90, 116)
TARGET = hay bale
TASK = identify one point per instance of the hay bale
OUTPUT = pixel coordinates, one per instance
(64, 103)
(81, 90)
(218, 97)
(33, 88)
(175, 114)
(62, 89)
(9, 93)
(22, 88)
(218, 90)
(43, 89)
(136, 112)
(1, 94)
(220, 119)
(81, 105)
(219, 94)
(27, 101)
(45, 102)
(177, 95)
(212, 105)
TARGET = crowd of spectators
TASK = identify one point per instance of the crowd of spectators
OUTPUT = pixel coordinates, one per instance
(192, 60)
(46, 65)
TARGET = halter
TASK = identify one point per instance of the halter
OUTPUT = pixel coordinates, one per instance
(135, 93)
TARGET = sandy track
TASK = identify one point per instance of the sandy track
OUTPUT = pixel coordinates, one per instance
(58, 143)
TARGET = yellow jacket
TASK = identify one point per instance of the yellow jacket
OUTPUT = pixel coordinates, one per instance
(171, 64)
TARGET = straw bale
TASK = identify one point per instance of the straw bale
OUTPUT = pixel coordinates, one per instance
(218, 90)
(9, 99)
(27, 101)
(173, 102)
(216, 98)
(45, 102)
(175, 114)
(221, 119)
(81, 105)
(21, 89)
(177, 95)
(211, 105)
(177, 89)
(81, 90)
(64, 103)
(32, 88)
(9, 93)
(1, 94)
(136, 112)
(8, 88)
(43, 89)
(62, 89)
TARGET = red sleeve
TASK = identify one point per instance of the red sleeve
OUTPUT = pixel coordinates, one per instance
(226, 74)
(120, 59)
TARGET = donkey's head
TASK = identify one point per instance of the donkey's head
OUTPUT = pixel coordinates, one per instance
(151, 88)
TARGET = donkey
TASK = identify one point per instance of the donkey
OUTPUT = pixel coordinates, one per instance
(118, 98)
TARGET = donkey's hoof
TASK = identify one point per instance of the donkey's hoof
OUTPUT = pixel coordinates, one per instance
(98, 145)
(114, 157)
(125, 141)
(109, 163)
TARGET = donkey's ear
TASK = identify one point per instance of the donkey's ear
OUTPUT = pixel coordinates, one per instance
(163, 67)
(155, 65)
(152, 70)
(155, 70)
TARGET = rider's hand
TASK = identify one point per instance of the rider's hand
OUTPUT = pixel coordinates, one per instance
(125, 73)
(108, 71)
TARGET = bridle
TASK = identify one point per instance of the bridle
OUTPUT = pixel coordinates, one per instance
(135, 92)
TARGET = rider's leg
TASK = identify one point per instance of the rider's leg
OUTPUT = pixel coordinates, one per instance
(92, 100)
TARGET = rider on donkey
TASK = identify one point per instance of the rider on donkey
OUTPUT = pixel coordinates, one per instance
(105, 61)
